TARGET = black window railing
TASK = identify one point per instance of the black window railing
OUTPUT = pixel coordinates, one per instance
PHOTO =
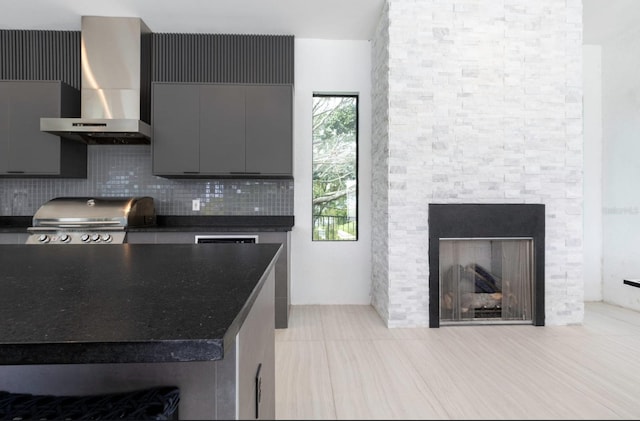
(339, 228)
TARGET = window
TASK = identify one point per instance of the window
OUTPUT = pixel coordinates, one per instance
(335, 167)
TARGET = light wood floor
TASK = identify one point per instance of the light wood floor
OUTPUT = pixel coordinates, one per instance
(341, 362)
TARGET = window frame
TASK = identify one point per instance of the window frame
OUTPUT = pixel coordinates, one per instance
(356, 96)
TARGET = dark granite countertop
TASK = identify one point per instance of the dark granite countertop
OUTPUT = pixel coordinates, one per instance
(118, 303)
(168, 223)
(221, 223)
(15, 224)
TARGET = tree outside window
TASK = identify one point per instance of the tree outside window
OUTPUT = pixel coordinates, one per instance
(335, 167)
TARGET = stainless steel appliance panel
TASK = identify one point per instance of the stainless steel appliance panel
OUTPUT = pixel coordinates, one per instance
(90, 220)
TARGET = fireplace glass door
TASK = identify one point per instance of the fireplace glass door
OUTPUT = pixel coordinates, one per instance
(486, 280)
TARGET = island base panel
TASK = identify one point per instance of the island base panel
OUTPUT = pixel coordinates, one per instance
(195, 380)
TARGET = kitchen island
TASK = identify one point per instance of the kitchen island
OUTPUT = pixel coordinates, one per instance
(80, 319)
(172, 229)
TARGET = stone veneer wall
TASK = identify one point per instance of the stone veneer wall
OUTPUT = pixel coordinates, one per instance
(475, 102)
(380, 167)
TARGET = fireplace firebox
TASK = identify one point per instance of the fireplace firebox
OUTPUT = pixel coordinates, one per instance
(486, 264)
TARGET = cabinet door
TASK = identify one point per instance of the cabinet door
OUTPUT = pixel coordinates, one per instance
(255, 353)
(269, 129)
(222, 120)
(175, 140)
(4, 128)
(30, 150)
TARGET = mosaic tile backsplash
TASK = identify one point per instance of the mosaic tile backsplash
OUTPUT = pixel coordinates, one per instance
(123, 171)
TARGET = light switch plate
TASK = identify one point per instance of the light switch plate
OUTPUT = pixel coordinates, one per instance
(195, 204)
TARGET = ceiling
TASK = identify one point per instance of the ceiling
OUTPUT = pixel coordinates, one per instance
(324, 19)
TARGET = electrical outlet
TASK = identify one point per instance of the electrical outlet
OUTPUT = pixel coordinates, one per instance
(195, 204)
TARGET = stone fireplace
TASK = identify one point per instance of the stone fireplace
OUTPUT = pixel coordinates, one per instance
(486, 264)
(476, 109)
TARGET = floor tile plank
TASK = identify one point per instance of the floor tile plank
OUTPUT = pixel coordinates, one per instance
(342, 362)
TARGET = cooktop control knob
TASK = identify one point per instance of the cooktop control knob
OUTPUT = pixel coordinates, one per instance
(65, 238)
(106, 238)
(85, 238)
(44, 238)
(95, 237)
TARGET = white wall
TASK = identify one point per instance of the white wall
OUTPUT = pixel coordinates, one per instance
(592, 102)
(330, 272)
(621, 167)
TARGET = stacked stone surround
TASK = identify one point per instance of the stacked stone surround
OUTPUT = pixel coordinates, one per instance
(475, 102)
(380, 167)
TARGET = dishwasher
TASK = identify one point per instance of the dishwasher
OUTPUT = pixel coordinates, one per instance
(239, 239)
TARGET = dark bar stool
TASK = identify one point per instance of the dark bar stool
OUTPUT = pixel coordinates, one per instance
(157, 403)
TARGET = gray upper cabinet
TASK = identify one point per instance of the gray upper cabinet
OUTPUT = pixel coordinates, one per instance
(25, 151)
(269, 122)
(176, 131)
(222, 130)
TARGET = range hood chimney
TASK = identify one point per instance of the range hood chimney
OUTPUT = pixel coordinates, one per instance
(116, 84)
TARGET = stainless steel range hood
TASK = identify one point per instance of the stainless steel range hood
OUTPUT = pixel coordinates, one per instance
(116, 84)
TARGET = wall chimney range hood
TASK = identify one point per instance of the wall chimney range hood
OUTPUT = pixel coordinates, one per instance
(115, 85)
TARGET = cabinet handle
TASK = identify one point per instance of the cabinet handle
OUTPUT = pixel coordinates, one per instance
(15, 172)
(191, 172)
(258, 388)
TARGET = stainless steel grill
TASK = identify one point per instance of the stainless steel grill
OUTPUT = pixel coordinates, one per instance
(90, 220)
